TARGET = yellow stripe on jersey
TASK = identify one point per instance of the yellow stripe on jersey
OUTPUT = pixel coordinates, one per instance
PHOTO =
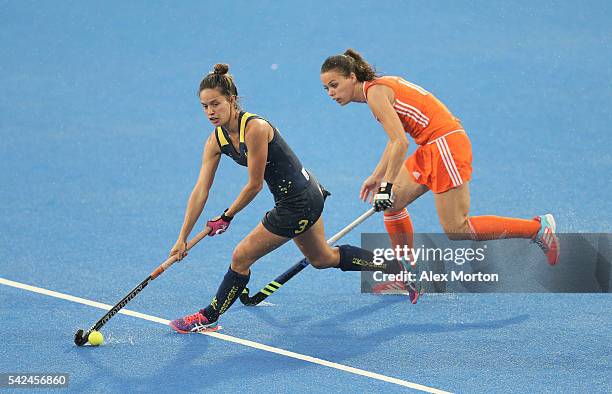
(221, 137)
(243, 121)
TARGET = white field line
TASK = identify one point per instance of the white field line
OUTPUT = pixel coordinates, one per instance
(229, 338)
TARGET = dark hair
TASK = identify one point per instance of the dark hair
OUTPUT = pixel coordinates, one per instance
(219, 79)
(350, 62)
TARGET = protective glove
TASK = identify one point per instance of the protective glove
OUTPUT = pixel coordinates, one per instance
(383, 199)
(219, 224)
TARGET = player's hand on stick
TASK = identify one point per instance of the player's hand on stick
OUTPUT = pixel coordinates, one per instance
(179, 249)
(219, 224)
(384, 198)
(368, 188)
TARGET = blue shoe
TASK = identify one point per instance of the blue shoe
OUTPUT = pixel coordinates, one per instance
(546, 238)
(194, 323)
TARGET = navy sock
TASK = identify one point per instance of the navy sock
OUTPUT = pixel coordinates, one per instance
(353, 258)
(229, 290)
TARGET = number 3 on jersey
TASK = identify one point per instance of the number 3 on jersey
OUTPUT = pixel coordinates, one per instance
(302, 223)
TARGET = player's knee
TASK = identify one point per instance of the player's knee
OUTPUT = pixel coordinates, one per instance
(454, 236)
(240, 260)
(321, 260)
(318, 262)
(456, 229)
(395, 207)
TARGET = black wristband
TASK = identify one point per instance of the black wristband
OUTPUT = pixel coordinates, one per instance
(226, 218)
(385, 187)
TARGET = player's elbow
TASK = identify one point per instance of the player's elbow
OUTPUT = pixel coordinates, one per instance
(255, 186)
(401, 144)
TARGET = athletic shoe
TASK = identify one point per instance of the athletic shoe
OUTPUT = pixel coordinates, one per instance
(546, 238)
(390, 287)
(413, 292)
(194, 323)
(398, 287)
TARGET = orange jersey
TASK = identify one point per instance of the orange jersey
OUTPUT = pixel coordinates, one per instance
(423, 116)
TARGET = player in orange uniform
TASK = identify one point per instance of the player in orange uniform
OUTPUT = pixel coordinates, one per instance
(441, 163)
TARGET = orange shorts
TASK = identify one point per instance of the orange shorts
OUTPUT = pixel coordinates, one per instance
(442, 164)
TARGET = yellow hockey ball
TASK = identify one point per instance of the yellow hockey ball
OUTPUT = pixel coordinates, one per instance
(95, 338)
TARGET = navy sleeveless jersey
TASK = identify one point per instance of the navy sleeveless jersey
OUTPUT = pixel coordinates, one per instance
(284, 173)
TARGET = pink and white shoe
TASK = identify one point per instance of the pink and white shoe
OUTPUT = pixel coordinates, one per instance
(397, 287)
(546, 238)
(413, 292)
(390, 287)
(194, 323)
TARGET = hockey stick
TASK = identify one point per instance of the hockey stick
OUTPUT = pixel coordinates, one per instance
(81, 337)
(295, 269)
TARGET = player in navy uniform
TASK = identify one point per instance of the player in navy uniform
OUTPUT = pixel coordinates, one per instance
(254, 142)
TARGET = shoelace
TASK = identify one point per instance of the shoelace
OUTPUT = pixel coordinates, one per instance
(412, 286)
(540, 242)
(197, 317)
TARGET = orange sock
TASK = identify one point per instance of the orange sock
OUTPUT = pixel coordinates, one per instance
(399, 227)
(484, 228)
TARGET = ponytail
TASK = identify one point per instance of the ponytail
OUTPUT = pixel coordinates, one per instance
(350, 62)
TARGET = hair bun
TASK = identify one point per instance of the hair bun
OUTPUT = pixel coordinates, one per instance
(221, 69)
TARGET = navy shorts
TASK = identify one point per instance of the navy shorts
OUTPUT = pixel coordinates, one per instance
(292, 215)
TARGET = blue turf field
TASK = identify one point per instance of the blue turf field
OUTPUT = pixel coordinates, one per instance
(100, 140)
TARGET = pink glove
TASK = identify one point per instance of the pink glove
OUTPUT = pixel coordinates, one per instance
(219, 224)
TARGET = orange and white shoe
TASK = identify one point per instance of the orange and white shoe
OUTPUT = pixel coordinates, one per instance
(546, 238)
